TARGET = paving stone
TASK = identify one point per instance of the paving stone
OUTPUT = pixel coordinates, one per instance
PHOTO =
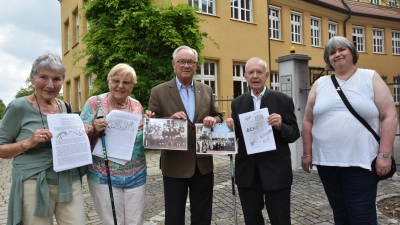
(308, 200)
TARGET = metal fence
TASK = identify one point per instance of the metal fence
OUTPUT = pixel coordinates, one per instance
(224, 105)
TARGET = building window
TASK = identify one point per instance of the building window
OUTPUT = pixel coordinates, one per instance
(394, 3)
(241, 10)
(90, 82)
(396, 89)
(69, 91)
(376, 2)
(295, 22)
(396, 42)
(239, 82)
(358, 38)
(274, 81)
(377, 35)
(78, 83)
(67, 36)
(332, 29)
(315, 31)
(76, 27)
(87, 22)
(274, 22)
(207, 74)
(204, 6)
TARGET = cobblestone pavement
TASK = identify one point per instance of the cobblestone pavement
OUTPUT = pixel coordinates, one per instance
(309, 203)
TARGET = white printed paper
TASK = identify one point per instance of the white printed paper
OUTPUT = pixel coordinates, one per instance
(120, 136)
(257, 132)
(70, 143)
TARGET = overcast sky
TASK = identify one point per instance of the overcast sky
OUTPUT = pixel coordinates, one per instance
(28, 28)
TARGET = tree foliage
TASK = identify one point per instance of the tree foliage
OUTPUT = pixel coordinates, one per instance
(2, 109)
(140, 34)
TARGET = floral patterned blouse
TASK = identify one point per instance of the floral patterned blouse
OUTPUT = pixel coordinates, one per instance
(132, 174)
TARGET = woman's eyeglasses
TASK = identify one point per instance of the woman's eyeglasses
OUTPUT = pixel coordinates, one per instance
(124, 82)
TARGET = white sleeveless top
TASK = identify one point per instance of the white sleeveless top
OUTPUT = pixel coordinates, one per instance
(339, 139)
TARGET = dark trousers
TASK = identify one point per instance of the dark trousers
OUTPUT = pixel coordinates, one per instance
(200, 195)
(277, 203)
(351, 192)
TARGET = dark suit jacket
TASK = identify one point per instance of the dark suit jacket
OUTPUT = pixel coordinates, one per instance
(165, 100)
(275, 166)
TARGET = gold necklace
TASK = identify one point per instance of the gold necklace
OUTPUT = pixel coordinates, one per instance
(117, 106)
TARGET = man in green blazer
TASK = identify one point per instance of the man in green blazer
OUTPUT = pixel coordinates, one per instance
(184, 98)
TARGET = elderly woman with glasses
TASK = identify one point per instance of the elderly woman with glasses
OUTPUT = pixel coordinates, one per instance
(37, 191)
(128, 180)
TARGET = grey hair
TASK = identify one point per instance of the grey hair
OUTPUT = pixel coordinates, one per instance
(338, 42)
(257, 59)
(48, 60)
(124, 69)
(185, 47)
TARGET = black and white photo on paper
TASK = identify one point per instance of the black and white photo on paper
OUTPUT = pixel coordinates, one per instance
(219, 140)
(168, 134)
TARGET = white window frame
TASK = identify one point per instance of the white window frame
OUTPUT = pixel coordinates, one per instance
(208, 79)
(274, 22)
(376, 2)
(238, 76)
(239, 11)
(378, 40)
(77, 27)
(396, 90)
(203, 6)
(296, 27)
(70, 92)
(274, 81)
(315, 31)
(68, 36)
(359, 34)
(395, 42)
(332, 29)
(78, 83)
(394, 3)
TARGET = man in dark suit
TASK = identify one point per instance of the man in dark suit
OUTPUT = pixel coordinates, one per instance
(184, 98)
(266, 177)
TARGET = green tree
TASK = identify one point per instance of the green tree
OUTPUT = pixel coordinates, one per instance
(2, 109)
(30, 89)
(140, 34)
(26, 91)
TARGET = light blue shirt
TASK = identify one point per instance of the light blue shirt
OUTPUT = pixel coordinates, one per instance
(257, 100)
(188, 99)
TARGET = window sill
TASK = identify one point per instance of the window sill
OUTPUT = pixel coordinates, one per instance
(75, 45)
(208, 14)
(242, 21)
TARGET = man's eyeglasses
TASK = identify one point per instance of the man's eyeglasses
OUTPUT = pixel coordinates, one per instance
(255, 72)
(183, 63)
(124, 82)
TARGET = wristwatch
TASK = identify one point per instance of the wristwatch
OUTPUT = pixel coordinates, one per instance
(385, 155)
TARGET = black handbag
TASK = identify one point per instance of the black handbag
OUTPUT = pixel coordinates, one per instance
(378, 139)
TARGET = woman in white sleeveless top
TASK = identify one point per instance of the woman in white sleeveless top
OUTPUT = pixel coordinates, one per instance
(338, 144)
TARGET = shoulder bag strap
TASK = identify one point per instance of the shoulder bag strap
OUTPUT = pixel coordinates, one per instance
(69, 110)
(351, 109)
